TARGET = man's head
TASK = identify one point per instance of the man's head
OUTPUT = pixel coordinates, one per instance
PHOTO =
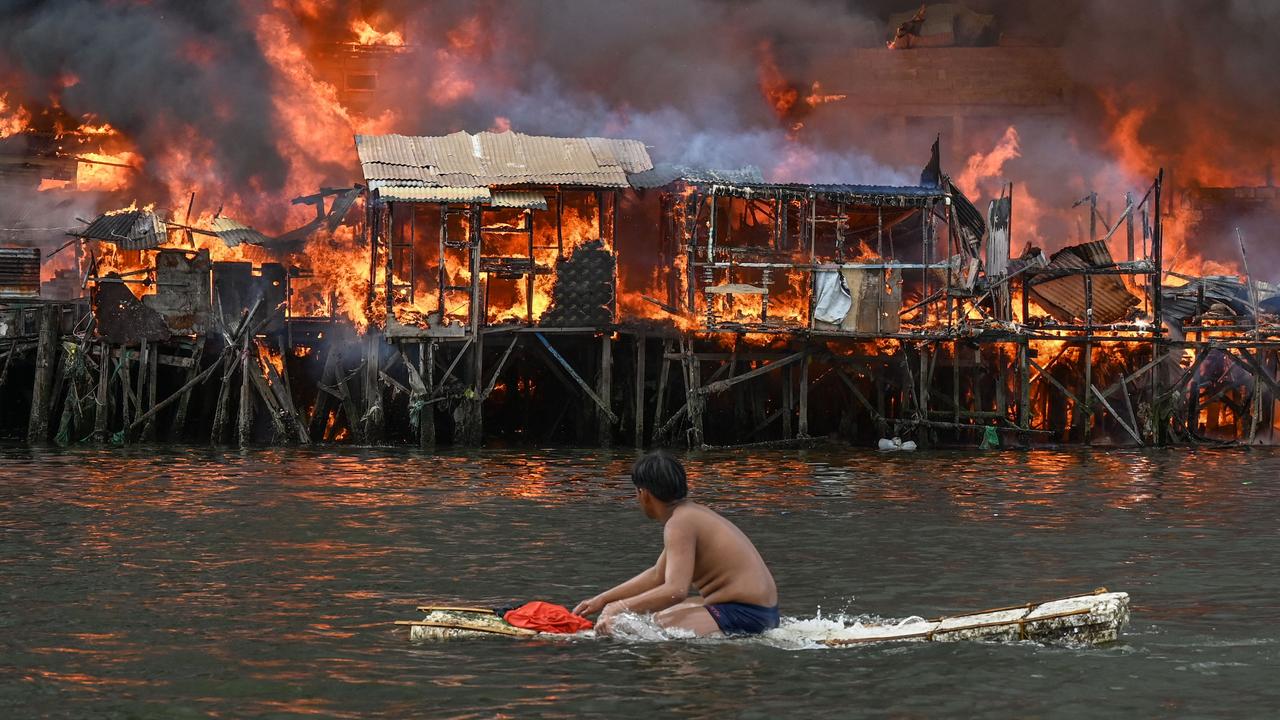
(659, 480)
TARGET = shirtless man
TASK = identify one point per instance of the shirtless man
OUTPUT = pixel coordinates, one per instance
(700, 548)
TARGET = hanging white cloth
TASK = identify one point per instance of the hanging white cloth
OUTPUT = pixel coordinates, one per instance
(832, 300)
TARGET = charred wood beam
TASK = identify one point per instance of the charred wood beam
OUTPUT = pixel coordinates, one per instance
(493, 379)
(1115, 415)
(582, 384)
(722, 385)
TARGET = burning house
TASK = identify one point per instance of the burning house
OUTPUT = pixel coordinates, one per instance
(767, 271)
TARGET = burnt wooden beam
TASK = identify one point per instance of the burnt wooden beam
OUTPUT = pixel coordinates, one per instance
(582, 384)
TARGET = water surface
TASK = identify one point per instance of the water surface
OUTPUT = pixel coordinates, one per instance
(165, 582)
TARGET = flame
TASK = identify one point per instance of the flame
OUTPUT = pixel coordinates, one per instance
(12, 120)
(367, 35)
(982, 168)
(784, 96)
(105, 172)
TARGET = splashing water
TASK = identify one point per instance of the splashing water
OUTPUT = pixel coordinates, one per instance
(793, 633)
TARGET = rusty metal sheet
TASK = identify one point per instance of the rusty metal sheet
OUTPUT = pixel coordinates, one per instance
(1064, 297)
(122, 318)
(234, 232)
(20, 272)
(237, 287)
(129, 229)
(182, 294)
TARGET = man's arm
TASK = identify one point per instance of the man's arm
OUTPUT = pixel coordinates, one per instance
(675, 578)
(646, 580)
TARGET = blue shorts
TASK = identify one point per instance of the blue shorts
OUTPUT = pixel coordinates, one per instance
(743, 618)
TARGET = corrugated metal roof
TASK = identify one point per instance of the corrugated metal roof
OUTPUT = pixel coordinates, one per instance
(434, 194)
(130, 229)
(19, 272)
(500, 159)
(518, 199)
(1064, 297)
(234, 233)
(883, 195)
(665, 174)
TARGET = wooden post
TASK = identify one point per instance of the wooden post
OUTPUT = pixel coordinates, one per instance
(660, 396)
(126, 387)
(102, 400)
(804, 394)
(639, 390)
(320, 411)
(693, 400)
(1128, 228)
(372, 389)
(180, 416)
(244, 421)
(153, 372)
(221, 413)
(427, 371)
(604, 388)
(1160, 424)
(139, 396)
(1024, 386)
(788, 403)
(1087, 429)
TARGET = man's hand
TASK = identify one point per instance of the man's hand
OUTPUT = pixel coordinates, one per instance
(605, 624)
(589, 607)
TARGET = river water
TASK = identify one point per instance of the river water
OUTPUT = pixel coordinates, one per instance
(171, 582)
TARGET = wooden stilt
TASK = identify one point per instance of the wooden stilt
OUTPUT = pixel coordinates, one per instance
(788, 403)
(604, 388)
(1024, 386)
(140, 383)
(638, 393)
(373, 414)
(46, 358)
(126, 387)
(244, 421)
(180, 416)
(319, 420)
(660, 396)
(102, 398)
(153, 373)
(222, 412)
(695, 400)
(427, 417)
(804, 396)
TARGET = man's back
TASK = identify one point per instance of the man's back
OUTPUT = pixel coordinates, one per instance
(727, 567)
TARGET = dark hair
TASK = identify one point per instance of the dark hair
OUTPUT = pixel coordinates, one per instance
(662, 475)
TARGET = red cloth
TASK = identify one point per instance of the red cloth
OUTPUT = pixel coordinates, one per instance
(546, 617)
